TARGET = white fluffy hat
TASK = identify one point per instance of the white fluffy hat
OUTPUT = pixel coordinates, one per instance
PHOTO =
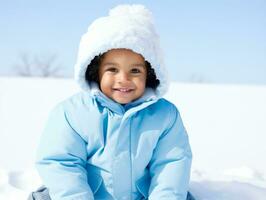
(126, 26)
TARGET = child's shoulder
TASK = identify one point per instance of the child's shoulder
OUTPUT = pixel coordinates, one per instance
(78, 100)
(164, 106)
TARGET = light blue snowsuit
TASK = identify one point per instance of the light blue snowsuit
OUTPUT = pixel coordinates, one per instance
(95, 148)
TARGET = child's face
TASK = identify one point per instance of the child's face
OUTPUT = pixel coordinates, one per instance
(122, 75)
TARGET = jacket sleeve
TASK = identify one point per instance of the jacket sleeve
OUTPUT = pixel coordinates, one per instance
(61, 159)
(171, 162)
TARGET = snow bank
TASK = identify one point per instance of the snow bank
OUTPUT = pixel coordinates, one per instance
(226, 126)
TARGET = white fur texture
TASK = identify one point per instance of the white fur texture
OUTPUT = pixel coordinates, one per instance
(126, 26)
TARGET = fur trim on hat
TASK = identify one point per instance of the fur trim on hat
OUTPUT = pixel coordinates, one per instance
(126, 26)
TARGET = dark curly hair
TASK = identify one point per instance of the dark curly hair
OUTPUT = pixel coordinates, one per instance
(92, 72)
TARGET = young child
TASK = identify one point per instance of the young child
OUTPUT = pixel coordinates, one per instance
(118, 138)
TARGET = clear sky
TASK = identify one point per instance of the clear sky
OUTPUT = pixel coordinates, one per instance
(221, 41)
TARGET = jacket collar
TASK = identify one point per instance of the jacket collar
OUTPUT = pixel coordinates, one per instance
(146, 99)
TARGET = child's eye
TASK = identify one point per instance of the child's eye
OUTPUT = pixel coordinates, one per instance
(135, 71)
(112, 69)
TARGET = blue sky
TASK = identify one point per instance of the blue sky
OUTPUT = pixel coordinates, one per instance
(214, 41)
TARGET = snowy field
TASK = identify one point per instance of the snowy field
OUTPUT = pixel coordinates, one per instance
(226, 126)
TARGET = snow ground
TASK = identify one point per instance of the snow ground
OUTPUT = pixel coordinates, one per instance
(226, 126)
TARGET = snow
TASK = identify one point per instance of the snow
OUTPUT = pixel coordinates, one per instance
(226, 126)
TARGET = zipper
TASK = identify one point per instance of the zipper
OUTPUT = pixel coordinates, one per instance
(130, 155)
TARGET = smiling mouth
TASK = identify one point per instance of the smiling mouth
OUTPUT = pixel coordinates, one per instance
(124, 90)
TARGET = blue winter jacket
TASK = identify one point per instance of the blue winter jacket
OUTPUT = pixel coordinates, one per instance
(95, 148)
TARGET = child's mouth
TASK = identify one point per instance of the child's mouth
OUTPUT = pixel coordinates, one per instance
(123, 90)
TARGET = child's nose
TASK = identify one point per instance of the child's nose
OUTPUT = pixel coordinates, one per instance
(123, 76)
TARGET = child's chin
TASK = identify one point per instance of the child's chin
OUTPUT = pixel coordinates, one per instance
(122, 101)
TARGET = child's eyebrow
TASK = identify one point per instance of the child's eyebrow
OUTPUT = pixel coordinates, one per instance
(133, 65)
(109, 63)
(138, 65)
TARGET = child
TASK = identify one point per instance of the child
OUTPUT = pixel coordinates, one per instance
(118, 139)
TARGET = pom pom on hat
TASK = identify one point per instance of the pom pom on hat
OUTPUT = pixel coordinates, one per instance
(133, 10)
(126, 26)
